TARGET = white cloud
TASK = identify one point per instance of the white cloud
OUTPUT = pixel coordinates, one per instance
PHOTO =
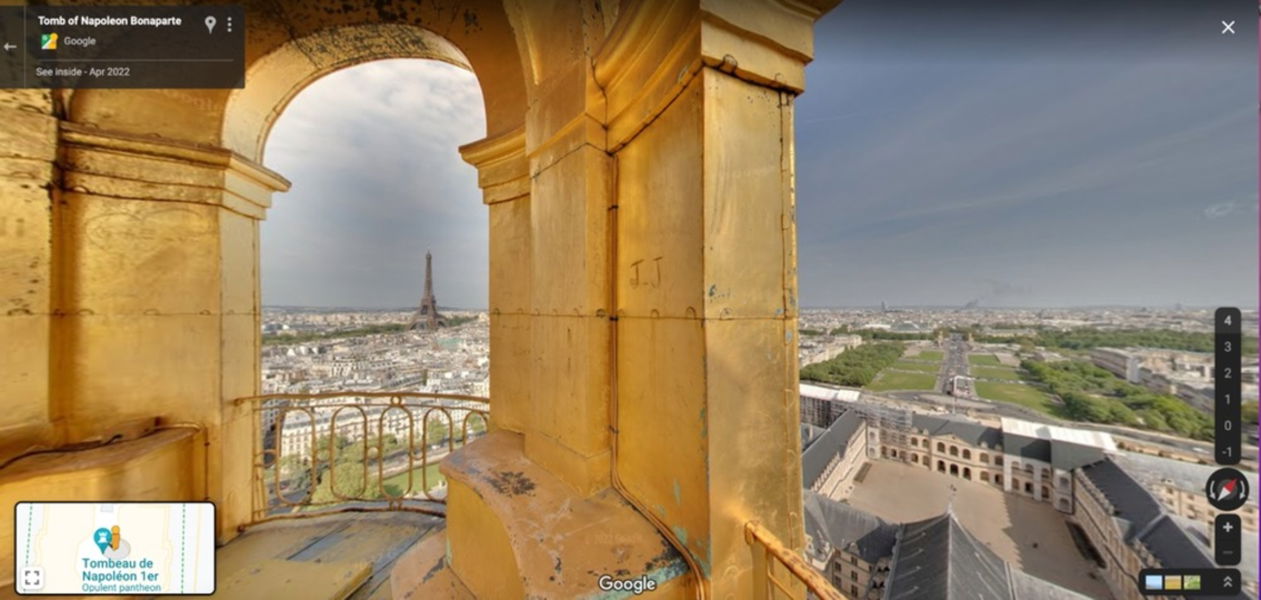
(377, 180)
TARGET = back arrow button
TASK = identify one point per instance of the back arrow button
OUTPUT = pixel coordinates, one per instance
(9, 47)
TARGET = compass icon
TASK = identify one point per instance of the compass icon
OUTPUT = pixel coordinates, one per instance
(1227, 489)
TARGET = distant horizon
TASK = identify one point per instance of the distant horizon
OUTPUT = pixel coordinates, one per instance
(371, 308)
(891, 307)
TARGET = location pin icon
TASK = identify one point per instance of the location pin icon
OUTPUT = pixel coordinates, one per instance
(210, 24)
(102, 538)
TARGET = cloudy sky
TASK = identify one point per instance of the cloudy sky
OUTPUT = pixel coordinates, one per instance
(377, 181)
(1018, 157)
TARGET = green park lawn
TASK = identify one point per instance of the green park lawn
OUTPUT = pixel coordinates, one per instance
(1003, 373)
(894, 380)
(933, 355)
(353, 483)
(400, 480)
(983, 360)
(914, 366)
(1016, 393)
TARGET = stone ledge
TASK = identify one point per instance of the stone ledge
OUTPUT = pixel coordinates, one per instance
(562, 542)
(164, 465)
(117, 456)
(422, 572)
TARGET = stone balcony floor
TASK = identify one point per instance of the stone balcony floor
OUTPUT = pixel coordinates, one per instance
(334, 556)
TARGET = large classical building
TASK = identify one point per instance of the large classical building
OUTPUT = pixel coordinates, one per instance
(868, 558)
(1148, 518)
(823, 404)
(1122, 363)
(831, 461)
(852, 548)
(1021, 457)
(1129, 528)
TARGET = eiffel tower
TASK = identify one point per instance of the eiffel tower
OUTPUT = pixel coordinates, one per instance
(427, 316)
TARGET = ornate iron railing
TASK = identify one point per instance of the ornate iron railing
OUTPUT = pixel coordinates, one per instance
(356, 451)
(772, 560)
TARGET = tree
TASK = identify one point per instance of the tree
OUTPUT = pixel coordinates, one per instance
(1153, 419)
(436, 430)
(1096, 395)
(1120, 413)
(346, 476)
(1082, 407)
(476, 425)
(854, 367)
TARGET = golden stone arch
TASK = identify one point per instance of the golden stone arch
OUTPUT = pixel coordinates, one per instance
(291, 45)
(651, 409)
(283, 73)
(151, 307)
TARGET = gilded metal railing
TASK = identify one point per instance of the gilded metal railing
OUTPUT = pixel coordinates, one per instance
(356, 451)
(801, 581)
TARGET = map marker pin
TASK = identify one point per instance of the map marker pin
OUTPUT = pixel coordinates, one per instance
(103, 537)
(210, 24)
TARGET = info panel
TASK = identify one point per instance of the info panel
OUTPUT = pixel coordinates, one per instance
(114, 548)
(122, 46)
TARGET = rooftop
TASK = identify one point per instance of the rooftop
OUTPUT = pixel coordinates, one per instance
(1141, 518)
(845, 527)
(819, 392)
(1055, 433)
(809, 433)
(1133, 506)
(833, 441)
(938, 558)
(962, 428)
(1150, 470)
(1172, 545)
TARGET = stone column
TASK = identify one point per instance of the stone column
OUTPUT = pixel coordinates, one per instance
(504, 179)
(700, 109)
(643, 306)
(549, 298)
(530, 512)
(1037, 482)
(28, 190)
(159, 306)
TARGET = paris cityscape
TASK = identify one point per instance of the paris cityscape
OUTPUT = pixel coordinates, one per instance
(319, 349)
(962, 402)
